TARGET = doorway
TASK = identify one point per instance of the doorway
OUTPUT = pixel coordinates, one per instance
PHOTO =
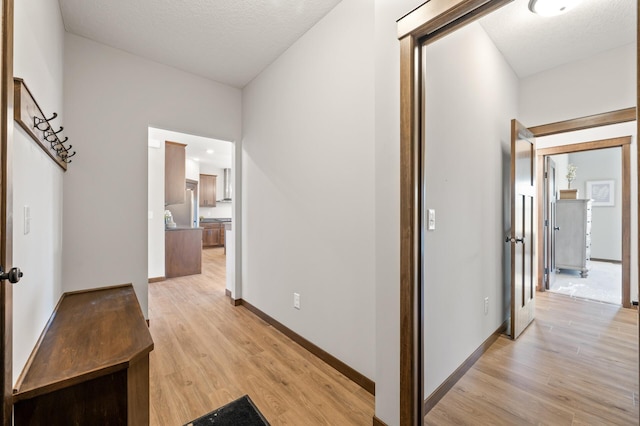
(205, 158)
(429, 22)
(563, 244)
(582, 237)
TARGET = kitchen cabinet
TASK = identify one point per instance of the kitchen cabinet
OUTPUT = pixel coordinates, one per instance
(174, 173)
(212, 234)
(208, 190)
(573, 235)
(183, 252)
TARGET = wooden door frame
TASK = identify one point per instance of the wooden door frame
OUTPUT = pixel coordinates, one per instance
(426, 23)
(6, 208)
(620, 142)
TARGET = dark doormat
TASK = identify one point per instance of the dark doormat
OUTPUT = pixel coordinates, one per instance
(241, 412)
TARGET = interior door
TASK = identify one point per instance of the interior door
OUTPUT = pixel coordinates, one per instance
(550, 226)
(6, 207)
(522, 237)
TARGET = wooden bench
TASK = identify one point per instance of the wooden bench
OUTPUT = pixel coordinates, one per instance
(91, 364)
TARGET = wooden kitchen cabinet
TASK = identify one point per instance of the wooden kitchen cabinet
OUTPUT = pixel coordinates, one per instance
(212, 234)
(174, 173)
(208, 190)
(183, 252)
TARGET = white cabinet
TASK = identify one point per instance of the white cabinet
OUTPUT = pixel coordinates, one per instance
(573, 235)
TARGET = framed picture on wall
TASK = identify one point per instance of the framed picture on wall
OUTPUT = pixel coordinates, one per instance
(601, 192)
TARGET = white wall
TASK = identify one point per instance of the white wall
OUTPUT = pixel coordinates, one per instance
(39, 45)
(467, 140)
(605, 82)
(308, 141)
(110, 100)
(192, 170)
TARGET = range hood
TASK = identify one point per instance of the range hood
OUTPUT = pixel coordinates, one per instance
(226, 181)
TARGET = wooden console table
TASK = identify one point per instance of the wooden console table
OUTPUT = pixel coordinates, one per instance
(91, 364)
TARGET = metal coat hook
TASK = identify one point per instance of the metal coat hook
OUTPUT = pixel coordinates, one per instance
(49, 131)
(66, 157)
(41, 124)
(38, 122)
(61, 148)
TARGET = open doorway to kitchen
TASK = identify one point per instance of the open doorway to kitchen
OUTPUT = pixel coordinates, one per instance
(202, 171)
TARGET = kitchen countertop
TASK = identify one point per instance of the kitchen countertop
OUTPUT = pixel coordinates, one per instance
(182, 228)
(215, 220)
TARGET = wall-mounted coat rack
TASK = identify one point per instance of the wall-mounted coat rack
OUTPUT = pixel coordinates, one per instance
(30, 117)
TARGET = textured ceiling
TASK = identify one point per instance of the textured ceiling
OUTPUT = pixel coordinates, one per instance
(230, 41)
(532, 43)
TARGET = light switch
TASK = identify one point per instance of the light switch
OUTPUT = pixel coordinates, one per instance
(431, 219)
(27, 220)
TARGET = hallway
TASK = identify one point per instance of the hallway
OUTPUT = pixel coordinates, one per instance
(208, 353)
(576, 364)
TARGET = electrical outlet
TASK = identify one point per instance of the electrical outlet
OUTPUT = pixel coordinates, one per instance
(486, 305)
(296, 300)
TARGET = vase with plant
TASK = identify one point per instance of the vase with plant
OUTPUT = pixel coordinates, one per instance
(571, 174)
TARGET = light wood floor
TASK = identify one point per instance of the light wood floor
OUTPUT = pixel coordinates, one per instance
(577, 364)
(208, 353)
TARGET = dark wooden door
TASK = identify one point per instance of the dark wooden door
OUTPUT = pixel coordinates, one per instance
(6, 207)
(522, 238)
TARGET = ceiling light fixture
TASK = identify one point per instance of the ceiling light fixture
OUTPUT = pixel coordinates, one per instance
(551, 7)
(209, 151)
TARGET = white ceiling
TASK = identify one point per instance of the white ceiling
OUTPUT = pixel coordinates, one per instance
(197, 146)
(532, 43)
(230, 41)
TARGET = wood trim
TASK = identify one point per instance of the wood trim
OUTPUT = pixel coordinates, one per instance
(540, 222)
(234, 302)
(437, 18)
(585, 146)
(624, 143)
(6, 208)
(157, 279)
(450, 382)
(428, 22)
(596, 120)
(366, 383)
(411, 362)
(175, 143)
(378, 422)
(626, 225)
